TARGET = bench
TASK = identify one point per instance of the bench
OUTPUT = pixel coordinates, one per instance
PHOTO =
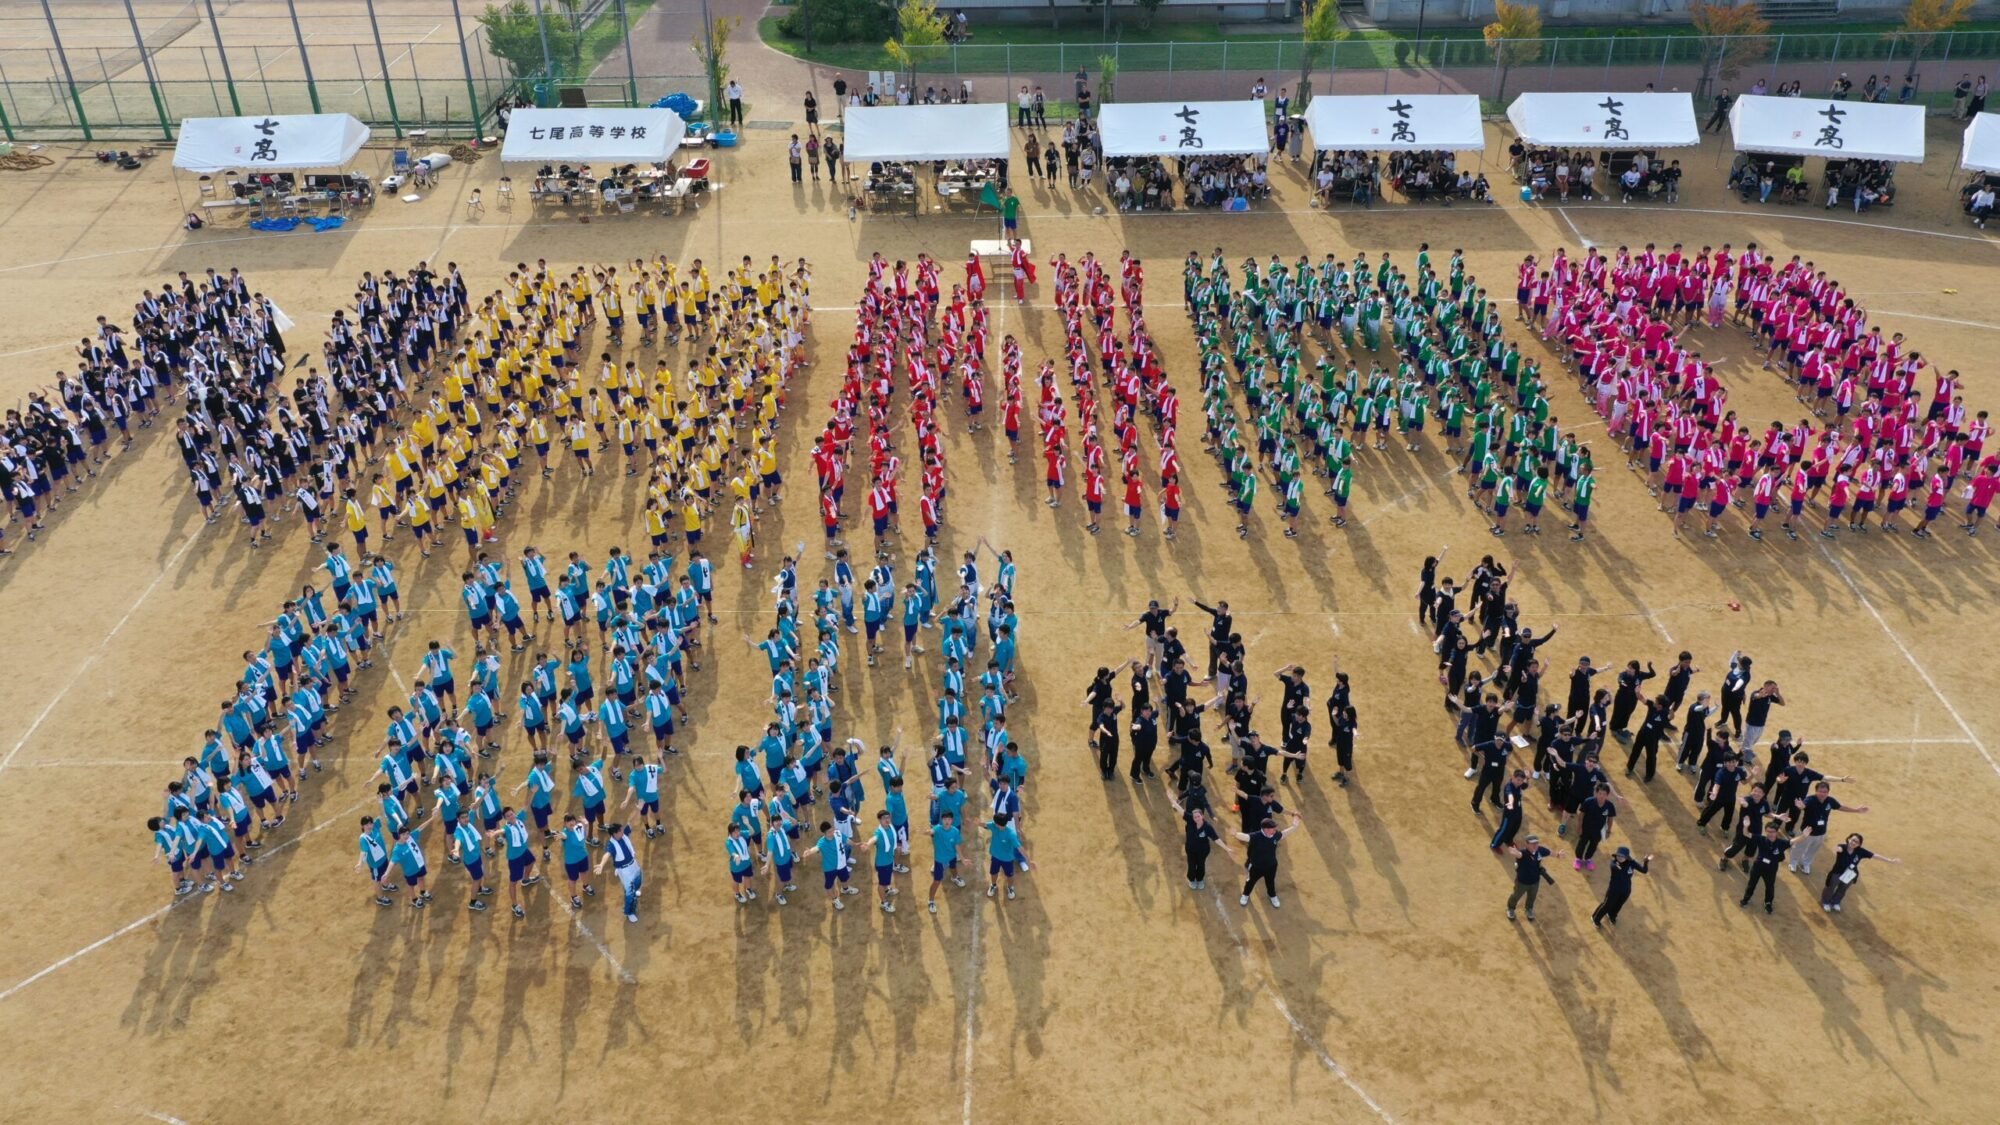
(998, 248)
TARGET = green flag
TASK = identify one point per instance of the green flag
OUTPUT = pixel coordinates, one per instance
(989, 197)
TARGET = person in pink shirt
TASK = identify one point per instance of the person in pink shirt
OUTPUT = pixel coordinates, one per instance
(1836, 504)
(1981, 492)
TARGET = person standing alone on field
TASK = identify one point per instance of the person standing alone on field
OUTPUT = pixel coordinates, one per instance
(1262, 864)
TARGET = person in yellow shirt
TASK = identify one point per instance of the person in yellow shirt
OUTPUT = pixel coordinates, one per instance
(739, 525)
(357, 520)
(419, 515)
(538, 436)
(383, 497)
(579, 444)
(690, 520)
(656, 524)
(773, 483)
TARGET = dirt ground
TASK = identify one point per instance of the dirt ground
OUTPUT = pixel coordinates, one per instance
(1390, 983)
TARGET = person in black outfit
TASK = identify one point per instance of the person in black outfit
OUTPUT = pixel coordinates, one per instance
(1201, 837)
(1344, 723)
(1735, 686)
(1771, 849)
(1598, 813)
(1528, 875)
(1263, 857)
(1651, 730)
(1623, 866)
(1145, 738)
(1678, 678)
(1626, 700)
(1104, 738)
(1846, 869)
(1721, 789)
(1220, 626)
(1427, 591)
(1579, 686)
(1492, 758)
(1694, 732)
(1194, 756)
(1510, 811)
(1751, 809)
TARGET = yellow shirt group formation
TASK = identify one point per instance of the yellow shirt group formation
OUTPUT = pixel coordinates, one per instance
(518, 381)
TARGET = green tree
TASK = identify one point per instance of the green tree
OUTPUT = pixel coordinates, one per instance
(715, 62)
(1514, 37)
(918, 25)
(1147, 9)
(516, 36)
(1924, 21)
(1107, 77)
(1322, 30)
(1734, 32)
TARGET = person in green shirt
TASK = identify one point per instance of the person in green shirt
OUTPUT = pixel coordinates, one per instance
(1586, 487)
(1538, 495)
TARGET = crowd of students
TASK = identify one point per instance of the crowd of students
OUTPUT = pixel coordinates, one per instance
(1515, 734)
(507, 388)
(1873, 448)
(212, 337)
(1453, 363)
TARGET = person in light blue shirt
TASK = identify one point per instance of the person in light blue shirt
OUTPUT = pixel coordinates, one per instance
(1004, 852)
(167, 850)
(778, 855)
(588, 787)
(576, 843)
(833, 864)
(945, 838)
(408, 854)
(746, 773)
(541, 786)
(899, 819)
(660, 716)
(375, 860)
(740, 866)
(466, 847)
(611, 721)
(882, 843)
(645, 792)
(582, 688)
(520, 858)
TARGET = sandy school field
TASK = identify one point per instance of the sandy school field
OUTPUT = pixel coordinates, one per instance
(1390, 985)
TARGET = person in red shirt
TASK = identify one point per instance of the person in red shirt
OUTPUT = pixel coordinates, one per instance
(1135, 500)
(1935, 492)
(1093, 496)
(1170, 505)
(1983, 488)
(1054, 455)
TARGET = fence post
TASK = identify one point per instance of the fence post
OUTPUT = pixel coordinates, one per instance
(1778, 52)
(381, 55)
(69, 76)
(1835, 56)
(1225, 64)
(1170, 68)
(111, 89)
(1666, 50)
(152, 78)
(6, 95)
(305, 60)
(209, 75)
(465, 57)
(228, 79)
(361, 69)
(625, 30)
(257, 56)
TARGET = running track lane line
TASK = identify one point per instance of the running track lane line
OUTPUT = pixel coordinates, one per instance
(1869, 605)
(98, 652)
(162, 911)
(1298, 1029)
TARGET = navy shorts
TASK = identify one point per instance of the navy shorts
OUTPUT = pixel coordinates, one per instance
(885, 874)
(518, 865)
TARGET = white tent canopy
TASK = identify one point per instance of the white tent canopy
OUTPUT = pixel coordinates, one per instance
(274, 143)
(1823, 127)
(1183, 129)
(926, 132)
(1606, 120)
(1396, 122)
(1981, 152)
(612, 136)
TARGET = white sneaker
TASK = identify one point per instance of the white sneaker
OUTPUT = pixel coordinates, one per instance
(839, 905)
(933, 907)
(1275, 903)
(1242, 900)
(956, 881)
(780, 900)
(888, 908)
(631, 917)
(1470, 773)
(1806, 870)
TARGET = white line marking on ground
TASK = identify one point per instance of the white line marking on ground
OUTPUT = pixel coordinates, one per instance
(1940, 319)
(161, 912)
(623, 974)
(95, 764)
(1567, 221)
(30, 351)
(1867, 604)
(1655, 619)
(1911, 741)
(169, 1118)
(96, 653)
(1305, 1036)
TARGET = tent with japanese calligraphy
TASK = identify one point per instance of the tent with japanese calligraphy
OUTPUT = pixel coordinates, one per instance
(272, 143)
(1616, 121)
(1183, 129)
(926, 132)
(1981, 151)
(1824, 127)
(585, 135)
(1396, 122)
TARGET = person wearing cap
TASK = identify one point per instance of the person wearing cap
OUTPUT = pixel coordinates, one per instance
(1528, 875)
(1622, 868)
